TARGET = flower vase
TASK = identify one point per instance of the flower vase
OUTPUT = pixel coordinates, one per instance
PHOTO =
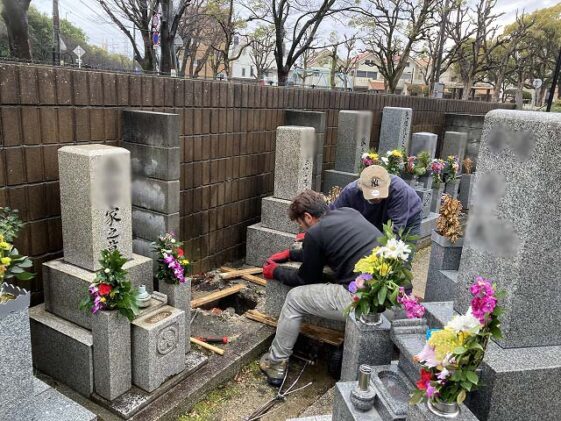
(444, 409)
(370, 319)
(179, 296)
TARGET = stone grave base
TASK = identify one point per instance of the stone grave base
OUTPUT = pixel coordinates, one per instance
(275, 296)
(263, 242)
(47, 404)
(59, 344)
(135, 400)
(427, 225)
(343, 409)
(274, 215)
(441, 285)
(332, 178)
(392, 392)
(65, 286)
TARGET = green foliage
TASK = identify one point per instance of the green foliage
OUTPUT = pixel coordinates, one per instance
(111, 290)
(10, 223)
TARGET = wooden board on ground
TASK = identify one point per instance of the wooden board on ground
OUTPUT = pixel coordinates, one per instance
(217, 295)
(246, 277)
(322, 334)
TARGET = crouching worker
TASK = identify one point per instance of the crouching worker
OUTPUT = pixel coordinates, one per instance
(335, 238)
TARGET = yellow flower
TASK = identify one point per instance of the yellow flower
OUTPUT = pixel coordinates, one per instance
(5, 246)
(1, 238)
(184, 262)
(444, 342)
(103, 299)
(2, 269)
(367, 264)
(5, 260)
(373, 156)
(384, 269)
(451, 157)
(397, 153)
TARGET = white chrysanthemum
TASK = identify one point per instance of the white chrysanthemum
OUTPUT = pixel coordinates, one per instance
(364, 155)
(385, 160)
(395, 249)
(465, 323)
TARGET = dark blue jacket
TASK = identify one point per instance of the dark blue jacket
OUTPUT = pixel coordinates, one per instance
(403, 205)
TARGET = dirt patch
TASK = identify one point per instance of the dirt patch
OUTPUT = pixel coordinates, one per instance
(420, 271)
(249, 390)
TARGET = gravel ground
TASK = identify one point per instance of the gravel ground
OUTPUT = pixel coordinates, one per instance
(420, 270)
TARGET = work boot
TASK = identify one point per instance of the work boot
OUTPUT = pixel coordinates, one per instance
(274, 370)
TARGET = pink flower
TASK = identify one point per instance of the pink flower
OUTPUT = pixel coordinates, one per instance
(484, 300)
(431, 391)
(427, 356)
(412, 307)
(168, 258)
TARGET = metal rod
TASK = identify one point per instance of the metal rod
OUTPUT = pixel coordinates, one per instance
(554, 82)
(364, 373)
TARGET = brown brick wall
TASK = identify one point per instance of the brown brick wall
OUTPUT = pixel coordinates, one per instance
(227, 145)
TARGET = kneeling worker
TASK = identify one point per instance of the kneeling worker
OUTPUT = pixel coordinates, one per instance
(379, 197)
(335, 238)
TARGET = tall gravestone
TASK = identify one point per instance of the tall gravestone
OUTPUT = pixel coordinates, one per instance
(454, 145)
(96, 215)
(395, 131)
(353, 139)
(317, 120)
(424, 142)
(512, 239)
(294, 154)
(153, 141)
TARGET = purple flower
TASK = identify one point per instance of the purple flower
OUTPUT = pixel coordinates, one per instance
(412, 307)
(352, 287)
(168, 258)
(431, 391)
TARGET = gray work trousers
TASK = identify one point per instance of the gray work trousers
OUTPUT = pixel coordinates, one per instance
(323, 300)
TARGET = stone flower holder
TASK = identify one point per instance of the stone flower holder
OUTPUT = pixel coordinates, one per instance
(437, 192)
(452, 187)
(466, 187)
(111, 332)
(422, 412)
(444, 259)
(179, 296)
(365, 343)
(16, 373)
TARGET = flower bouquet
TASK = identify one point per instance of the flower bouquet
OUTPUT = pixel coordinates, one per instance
(436, 167)
(367, 159)
(172, 263)
(452, 355)
(383, 274)
(451, 169)
(394, 161)
(110, 289)
(448, 224)
(12, 264)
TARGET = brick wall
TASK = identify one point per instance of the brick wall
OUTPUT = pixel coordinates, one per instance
(227, 144)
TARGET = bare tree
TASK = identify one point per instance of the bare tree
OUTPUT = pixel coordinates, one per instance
(14, 13)
(262, 44)
(340, 64)
(140, 14)
(394, 26)
(470, 58)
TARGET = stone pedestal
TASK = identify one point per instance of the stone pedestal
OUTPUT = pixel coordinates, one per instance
(466, 186)
(263, 242)
(179, 296)
(452, 187)
(95, 203)
(66, 285)
(423, 142)
(343, 409)
(332, 178)
(365, 344)
(153, 140)
(111, 334)
(395, 130)
(428, 224)
(426, 199)
(317, 120)
(443, 266)
(421, 412)
(158, 347)
(274, 215)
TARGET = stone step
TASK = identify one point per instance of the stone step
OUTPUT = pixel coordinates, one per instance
(58, 344)
(274, 215)
(428, 224)
(393, 391)
(409, 346)
(441, 286)
(439, 313)
(263, 242)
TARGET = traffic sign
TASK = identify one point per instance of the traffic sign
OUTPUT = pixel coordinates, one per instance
(537, 83)
(79, 51)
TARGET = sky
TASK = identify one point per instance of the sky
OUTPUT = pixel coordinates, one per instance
(88, 15)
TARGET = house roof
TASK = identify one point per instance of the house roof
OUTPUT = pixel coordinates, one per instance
(376, 85)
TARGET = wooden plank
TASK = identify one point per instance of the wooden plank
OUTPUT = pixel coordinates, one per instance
(250, 278)
(322, 334)
(212, 348)
(238, 273)
(217, 295)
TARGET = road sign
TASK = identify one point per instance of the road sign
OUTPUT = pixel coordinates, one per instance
(537, 83)
(79, 51)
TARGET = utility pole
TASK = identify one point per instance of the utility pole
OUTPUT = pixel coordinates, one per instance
(56, 34)
(554, 82)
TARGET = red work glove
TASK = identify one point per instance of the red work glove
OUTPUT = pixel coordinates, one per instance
(269, 269)
(281, 256)
(300, 237)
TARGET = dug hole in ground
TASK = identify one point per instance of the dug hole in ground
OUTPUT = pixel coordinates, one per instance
(248, 390)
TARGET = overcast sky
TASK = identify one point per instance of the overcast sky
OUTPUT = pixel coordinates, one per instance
(88, 15)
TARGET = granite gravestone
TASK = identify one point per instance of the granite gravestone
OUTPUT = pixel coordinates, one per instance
(395, 130)
(510, 243)
(293, 174)
(353, 139)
